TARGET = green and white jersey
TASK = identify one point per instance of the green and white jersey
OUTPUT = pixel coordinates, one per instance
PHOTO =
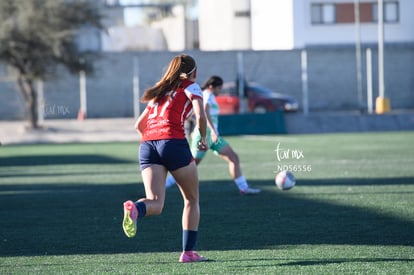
(210, 100)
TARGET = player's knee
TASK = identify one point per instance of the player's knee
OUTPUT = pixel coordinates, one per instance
(190, 197)
(191, 202)
(156, 207)
(157, 210)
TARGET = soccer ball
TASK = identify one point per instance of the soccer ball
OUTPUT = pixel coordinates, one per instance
(285, 180)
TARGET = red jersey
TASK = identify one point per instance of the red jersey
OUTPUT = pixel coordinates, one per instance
(167, 115)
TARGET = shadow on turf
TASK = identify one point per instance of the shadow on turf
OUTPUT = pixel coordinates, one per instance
(357, 181)
(59, 160)
(295, 262)
(341, 261)
(69, 218)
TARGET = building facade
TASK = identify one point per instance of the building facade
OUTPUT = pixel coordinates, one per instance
(296, 24)
(271, 35)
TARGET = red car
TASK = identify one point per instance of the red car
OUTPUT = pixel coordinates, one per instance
(259, 99)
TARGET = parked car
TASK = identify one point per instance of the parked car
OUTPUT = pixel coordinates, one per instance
(259, 99)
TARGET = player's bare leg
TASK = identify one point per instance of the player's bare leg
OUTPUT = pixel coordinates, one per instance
(154, 183)
(153, 203)
(232, 159)
(187, 181)
(228, 154)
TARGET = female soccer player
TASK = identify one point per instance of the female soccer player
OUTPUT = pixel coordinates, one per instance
(216, 143)
(164, 148)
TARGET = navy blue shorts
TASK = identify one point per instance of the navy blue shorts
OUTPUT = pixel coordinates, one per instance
(171, 153)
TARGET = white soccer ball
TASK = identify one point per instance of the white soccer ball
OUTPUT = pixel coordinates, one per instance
(285, 180)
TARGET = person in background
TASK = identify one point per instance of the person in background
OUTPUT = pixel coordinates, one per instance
(216, 143)
(164, 148)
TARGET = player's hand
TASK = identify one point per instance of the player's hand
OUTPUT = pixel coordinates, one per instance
(202, 145)
(214, 136)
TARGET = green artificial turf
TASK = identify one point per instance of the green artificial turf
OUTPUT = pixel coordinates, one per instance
(351, 211)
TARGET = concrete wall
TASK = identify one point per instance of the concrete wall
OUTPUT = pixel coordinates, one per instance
(332, 80)
(348, 122)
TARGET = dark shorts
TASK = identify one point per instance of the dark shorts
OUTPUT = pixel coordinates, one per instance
(171, 153)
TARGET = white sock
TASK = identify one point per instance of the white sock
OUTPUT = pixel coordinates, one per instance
(241, 183)
(170, 181)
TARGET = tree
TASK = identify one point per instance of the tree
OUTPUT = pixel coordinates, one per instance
(36, 36)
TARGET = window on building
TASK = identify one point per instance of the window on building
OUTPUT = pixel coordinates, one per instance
(323, 13)
(316, 13)
(242, 14)
(344, 13)
(391, 12)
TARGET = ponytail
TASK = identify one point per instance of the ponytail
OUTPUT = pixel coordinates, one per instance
(181, 67)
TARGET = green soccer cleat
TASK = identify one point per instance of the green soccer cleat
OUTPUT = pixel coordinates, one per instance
(129, 224)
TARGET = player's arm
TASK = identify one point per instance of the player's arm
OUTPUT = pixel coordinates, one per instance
(141, 122)
(201, 121)
(210, 125)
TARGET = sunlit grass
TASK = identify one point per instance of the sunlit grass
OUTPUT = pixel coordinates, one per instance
(61, 209)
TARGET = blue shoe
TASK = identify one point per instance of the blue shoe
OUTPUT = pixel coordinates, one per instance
(250, 191)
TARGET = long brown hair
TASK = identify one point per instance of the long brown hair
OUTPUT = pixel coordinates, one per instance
(180, 67)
